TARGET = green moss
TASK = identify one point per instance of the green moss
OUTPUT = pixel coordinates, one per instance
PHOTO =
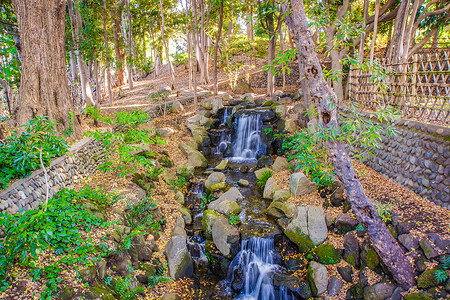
(268, 103)
(311, 281)
(327, 254)
(217, 186)
(417, 296)
(427, 279)
(209, 217)
(372, 260)
(303, 242)
(351, 259)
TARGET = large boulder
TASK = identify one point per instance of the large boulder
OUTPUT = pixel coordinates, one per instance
(225, 236)
(290, 125)
(280, 164)
(409, 242)
(281, 196)
(308, 228)
(215, 181)
(334, 286)
(195, 158)
(177, 107)
(242, 87)
(228, 207)
(270, 188)
(185, 171)
(222, 165)
(179, 258)
(299, 184)
(281, 209)
(233, 194)
(317, 276)
(208, 220)
(197, 126)
(379, 291)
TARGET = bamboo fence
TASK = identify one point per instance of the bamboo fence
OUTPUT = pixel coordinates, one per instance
(419, 88)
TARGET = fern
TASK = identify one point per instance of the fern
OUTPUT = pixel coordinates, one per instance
(264, 177)
(440, 276)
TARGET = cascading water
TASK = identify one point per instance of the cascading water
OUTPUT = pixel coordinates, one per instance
(248, 137)
(226, 114)
(252, 269)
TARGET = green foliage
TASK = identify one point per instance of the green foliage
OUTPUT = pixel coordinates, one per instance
(139, 215)
(122, 287)
(233, 219)
(446, 262)
(440, 275)
(93, 112)
(55, 231)
(160, 96)
(264, 177)
(20, 151)
(385, 212)
(311, 157)
(179, 184)
(282, 60)
(359, 227)
(205, 199)
(180, 58)
(126, 141)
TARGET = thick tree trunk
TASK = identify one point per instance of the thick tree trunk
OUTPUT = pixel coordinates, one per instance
(75, 20)
(216, 46)
(107, 70)
(390, 252)
(194, 67)
(44, 88)
(271, 54)
(189, 44)
(363, 35)
(166, 48)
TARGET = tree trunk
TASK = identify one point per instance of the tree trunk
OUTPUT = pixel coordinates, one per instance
(44, 88)
(73, 66)
(189, 43)
(166, 48)
(105, 35)
(130, 47)
(194, 67)
(390, 252)
(271, 53)
(363, 35)
(375, 29)
(120, 55)
(282, 51)
(216, 46)
(75, 20)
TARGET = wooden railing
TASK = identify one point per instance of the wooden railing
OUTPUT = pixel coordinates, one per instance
(420, 88)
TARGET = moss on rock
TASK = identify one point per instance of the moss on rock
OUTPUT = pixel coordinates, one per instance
(427, 279)
(327, 254)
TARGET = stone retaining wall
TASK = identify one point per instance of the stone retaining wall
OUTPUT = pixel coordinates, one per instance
(82, 159)
(418, 158)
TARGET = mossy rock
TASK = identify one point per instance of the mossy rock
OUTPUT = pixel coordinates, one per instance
(218, 186)
(66, 293)
(98, 292)
(327, 254)
(268, 103)
(165, 161)
(351, 259)
(208, 220)
(148, 268)
(370, 258)
(303, 242)
(417, 296)
(427, 279)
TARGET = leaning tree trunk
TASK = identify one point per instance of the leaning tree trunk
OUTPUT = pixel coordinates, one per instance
(44, 88)
(120, 55)
(216, 46)
(130, 47)
(390, 252)
(271, 54)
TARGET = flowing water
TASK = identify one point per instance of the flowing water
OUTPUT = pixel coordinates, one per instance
(248, 142)
(252, 270)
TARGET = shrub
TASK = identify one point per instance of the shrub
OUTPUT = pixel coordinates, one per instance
(327, 254)
(21, 152)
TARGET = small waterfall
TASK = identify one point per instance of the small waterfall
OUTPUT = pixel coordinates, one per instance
(225, 141)
(248, 140)
(252, 269)
(226, 114)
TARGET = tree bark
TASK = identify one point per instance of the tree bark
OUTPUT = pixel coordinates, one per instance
(73, 66)
(172, 75)
(130, 47)
(216, 46)
(105, 35)
(75, 20)
(375, 29)
(44, 88)
(390, 252)
(363, 35)
(194, 67)
(120, 55)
